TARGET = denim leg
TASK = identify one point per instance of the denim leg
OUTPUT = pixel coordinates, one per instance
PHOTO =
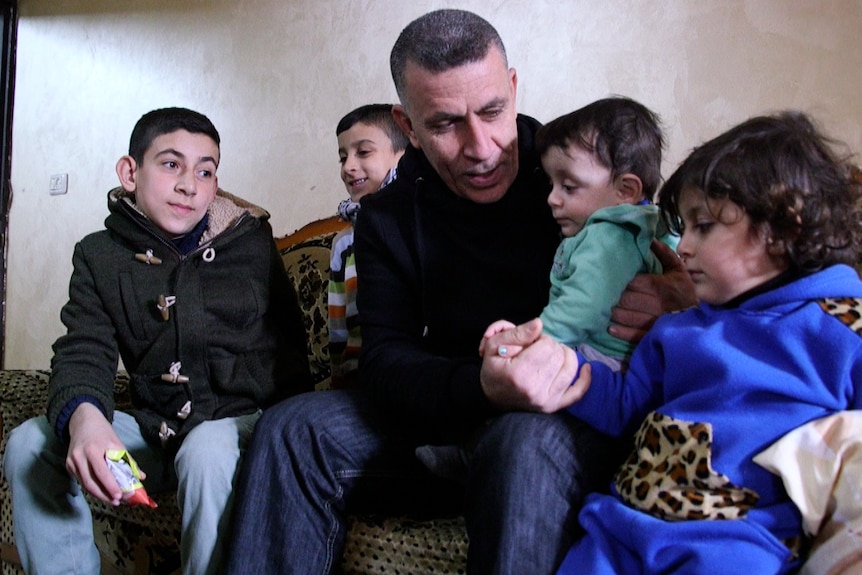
(527, 479)
(52, 522)
(207, 464)
(311, 457)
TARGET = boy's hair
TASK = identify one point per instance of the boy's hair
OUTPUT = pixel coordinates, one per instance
(165, 121)
(379, 115)
(623, 135)
(442, 40)
(785, 174)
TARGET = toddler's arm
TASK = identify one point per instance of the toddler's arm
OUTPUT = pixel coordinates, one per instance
(90, 436)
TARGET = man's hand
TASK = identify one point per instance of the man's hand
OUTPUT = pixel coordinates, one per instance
(539, 377)
(91, 435)
(649, 296)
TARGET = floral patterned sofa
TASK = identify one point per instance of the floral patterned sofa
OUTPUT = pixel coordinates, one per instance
(145, 541)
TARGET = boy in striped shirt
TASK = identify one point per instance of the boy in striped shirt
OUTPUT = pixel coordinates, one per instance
(370, 144)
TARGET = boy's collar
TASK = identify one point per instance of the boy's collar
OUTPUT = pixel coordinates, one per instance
(186, 243)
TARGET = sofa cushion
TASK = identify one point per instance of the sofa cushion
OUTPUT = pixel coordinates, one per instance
(305, 254)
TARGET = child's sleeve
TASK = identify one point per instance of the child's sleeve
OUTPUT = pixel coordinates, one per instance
(617, 402)
(339, 296)
(598, 268)
(85, 359)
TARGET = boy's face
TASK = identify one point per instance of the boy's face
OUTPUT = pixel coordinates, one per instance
(176, 182)
(580, 186)
(366, 156)
(724, 254)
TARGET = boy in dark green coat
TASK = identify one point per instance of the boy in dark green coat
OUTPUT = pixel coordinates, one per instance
(186, 287)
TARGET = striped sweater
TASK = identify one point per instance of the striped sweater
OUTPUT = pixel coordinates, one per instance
(345, 340)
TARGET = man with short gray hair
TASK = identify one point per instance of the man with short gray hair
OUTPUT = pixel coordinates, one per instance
(462, 238)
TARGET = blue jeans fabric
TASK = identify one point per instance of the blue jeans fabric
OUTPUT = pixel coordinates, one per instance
(52, 521)
(316, 457)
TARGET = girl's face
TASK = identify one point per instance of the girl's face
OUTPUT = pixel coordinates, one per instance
(723, 253)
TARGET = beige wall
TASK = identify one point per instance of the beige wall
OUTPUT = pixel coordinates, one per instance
(276, 75)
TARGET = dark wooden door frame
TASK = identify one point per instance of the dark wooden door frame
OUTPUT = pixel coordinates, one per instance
(9, 9)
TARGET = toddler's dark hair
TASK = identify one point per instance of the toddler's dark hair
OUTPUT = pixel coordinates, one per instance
(624, 135)
(785, 174)
(379, 115)
(165, 121)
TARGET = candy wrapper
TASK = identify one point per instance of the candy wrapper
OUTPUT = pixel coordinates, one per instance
(127, 474)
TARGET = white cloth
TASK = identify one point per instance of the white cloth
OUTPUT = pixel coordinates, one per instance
(820, 464)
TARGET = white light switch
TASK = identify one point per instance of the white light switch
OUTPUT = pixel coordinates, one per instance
(59, 184)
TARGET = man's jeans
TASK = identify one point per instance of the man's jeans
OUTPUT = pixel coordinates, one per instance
(52, 522)
(316, 457)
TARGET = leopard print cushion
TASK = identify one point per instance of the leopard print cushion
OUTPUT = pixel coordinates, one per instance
(847, 310)
(669, 474)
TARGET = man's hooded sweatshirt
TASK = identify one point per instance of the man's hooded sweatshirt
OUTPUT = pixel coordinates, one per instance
(436, 270)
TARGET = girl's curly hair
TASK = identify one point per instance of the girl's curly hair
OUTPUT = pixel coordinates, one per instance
(785, 174)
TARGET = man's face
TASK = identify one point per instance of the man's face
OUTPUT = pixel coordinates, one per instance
(464, 121)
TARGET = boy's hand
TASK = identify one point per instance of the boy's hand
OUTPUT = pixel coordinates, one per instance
(91, 435)
(648, 296)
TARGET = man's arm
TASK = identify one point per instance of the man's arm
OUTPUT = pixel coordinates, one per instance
(648, 296)
(433, 397)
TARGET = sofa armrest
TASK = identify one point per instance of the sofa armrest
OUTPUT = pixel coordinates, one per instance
(23, 394)
(305, 255)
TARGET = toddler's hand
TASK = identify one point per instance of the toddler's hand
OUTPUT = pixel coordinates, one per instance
(503, 350)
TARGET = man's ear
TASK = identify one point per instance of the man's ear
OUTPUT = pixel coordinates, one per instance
(629, 188)
(127, 171)
(406, 125)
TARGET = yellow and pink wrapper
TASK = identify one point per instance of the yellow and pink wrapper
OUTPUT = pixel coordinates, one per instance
(127, 474)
